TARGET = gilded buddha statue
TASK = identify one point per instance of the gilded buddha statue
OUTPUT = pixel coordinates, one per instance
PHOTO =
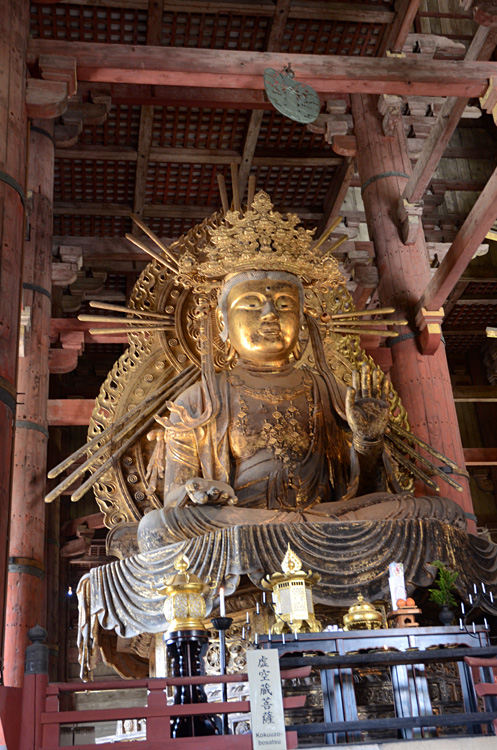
(266, 436)
(290, 435)
(263, 441)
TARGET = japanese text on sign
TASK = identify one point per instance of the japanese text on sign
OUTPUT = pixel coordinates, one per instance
(266, 702)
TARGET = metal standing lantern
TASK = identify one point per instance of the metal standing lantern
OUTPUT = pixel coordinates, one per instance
(292, 596)
(184, 607)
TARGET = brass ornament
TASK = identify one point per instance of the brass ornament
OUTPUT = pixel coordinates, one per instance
(362, 616)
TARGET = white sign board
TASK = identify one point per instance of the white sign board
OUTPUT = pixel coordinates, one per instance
(397, 583)
(266, 701)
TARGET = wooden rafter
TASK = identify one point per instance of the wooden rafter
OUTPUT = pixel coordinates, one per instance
(280, 17)
(336, 193)
(199, 156)
(405, 12)
(481, 48)
(469, 238)
(154, 31)
(239, 69)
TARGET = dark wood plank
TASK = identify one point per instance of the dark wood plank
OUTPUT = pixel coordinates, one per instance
(475, 393)
(240, 69)
(480, 456)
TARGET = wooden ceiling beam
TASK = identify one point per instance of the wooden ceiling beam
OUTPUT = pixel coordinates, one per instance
(480, 456)
(394, 40)
(69, 411)
(180, 96)
(110, 248)
(481, 48)
(154, 32)
(468, 239)
(159, 210)
(239, 69)
(262, 158)
(199, 156)
(322, 11)
(336, 193)
(475, 394)
(275, 39)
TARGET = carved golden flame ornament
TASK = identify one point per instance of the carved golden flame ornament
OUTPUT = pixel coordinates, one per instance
(185, 606)
(362, 616)
(292, 597)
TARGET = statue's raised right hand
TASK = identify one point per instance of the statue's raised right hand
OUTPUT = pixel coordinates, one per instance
(207, 491)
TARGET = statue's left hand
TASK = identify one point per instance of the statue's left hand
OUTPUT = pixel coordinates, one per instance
(366, 405)
(208, 491)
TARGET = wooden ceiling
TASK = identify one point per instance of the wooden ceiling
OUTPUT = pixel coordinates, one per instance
(140, 136)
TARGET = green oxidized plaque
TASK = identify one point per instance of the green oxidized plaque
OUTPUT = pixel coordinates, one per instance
(296, 100)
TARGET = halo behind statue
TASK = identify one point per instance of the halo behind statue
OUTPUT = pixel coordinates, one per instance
(165, 330)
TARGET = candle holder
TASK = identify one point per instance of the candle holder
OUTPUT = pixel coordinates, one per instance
(185, 609)
(222, 624)
(478, 600)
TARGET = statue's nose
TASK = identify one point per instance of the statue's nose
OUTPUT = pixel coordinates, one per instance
(268, 311)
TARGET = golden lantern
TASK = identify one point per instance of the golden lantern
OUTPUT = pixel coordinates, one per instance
(292, 596)
(185, 607)
(362, 616)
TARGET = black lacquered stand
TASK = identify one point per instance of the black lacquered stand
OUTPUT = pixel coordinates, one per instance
(222, 624)
(184, 647)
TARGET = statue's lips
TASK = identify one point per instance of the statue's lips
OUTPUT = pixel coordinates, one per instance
(270, 330)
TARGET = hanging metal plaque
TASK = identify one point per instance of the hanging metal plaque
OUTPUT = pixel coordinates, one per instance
(296, 100)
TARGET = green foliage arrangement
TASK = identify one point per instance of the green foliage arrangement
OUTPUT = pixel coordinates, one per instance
(442, 594)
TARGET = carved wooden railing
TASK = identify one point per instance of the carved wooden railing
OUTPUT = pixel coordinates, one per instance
(41, 704)
(43, 699)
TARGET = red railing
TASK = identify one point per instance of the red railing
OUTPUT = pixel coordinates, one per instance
(43, 715)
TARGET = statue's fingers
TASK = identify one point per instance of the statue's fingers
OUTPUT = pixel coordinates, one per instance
(385, 388)
(350, 399)
(365, 380)
(375, 392)
(355, 380)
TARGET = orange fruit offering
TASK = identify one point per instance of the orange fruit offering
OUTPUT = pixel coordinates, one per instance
(401, 602)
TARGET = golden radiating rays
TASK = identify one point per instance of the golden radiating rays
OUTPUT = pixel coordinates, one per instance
(143, 321)
(347, 323)
(110, 444)
(128, 428)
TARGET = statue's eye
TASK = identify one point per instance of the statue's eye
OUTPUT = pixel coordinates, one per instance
(284, 302)
(250, 302)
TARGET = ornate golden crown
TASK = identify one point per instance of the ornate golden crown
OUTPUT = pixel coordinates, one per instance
(261, 239)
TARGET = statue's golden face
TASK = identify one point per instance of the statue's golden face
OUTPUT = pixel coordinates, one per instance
(263, 319)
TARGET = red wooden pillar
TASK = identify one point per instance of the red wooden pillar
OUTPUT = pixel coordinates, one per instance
(14, 31)
(25, 591)
(422, 381)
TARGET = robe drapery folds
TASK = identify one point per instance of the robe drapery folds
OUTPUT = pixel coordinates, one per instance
(351, 556)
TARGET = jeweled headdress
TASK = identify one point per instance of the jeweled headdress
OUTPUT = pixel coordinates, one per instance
(260, 238)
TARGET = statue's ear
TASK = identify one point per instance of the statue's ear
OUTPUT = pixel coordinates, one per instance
(220, 320)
